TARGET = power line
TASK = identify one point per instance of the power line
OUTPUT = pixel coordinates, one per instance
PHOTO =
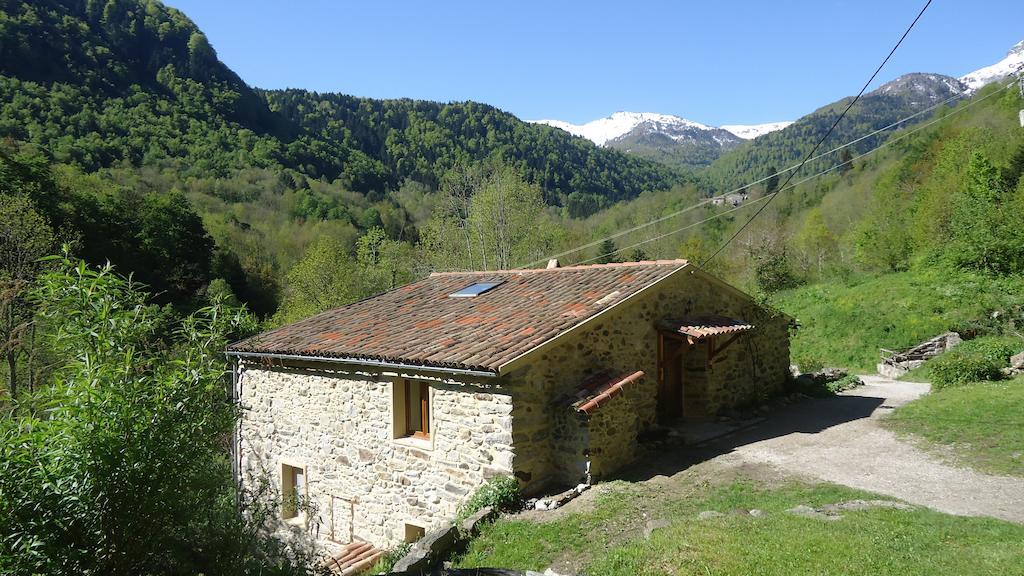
(804, 180)
(710, 199)
(827, 134)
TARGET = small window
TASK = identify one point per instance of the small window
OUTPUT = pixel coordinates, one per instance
(293, 490)
(413, 533)
(412, 409)
(474, 290)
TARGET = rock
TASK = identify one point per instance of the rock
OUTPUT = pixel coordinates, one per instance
(830, 374)
(756, 513)
(414, 562)
(653, 525)
(1017, 361)
(438, 541)
(709, 514)
(855, 505)
(545, 505)
(809, 512)
(473, 521)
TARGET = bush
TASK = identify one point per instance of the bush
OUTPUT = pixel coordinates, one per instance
(501, 493)
(973, 361)
(388, 560)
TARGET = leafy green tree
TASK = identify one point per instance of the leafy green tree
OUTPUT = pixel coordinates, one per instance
(606, 252)
(384, 264)
(772, 184)
(637, 255)
(326, 277)
(817, 242)
(118, 466)
(489, 218)
(977, 221)
(25, 238)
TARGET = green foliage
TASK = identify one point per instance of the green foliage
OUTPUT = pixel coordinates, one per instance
(117, 466)
(984, 224)
(820, 386)
(773, 268)
(980, 422)
(488, 218)
(388, 560)
(973, 361)
(325, 278)
(757, 158)
(607, 252)
(25, 238)
(500, 493)
(844, 323)
(155, 236)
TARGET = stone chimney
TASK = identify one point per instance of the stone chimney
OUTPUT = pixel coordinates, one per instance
(553, 263)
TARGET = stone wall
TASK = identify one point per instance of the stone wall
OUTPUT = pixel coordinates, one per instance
(612, 432)
(364, 483)
(625, 339)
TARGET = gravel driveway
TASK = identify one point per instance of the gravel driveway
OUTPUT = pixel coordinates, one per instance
(840, 440)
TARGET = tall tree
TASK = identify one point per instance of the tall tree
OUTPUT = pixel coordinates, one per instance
(606, 252)
(325, 278)
(25, 238)
(976, 220)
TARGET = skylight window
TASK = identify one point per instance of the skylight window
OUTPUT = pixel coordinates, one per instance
(474, 290)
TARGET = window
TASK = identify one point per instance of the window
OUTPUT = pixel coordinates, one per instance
(293, 490)
(413, 533)
(412, 409)
(474, 290)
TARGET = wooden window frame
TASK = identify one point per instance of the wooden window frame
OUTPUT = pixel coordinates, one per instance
(290, 484)
(423, 433)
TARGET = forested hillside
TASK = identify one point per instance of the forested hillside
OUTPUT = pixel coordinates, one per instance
(893, 101)
(100, 82)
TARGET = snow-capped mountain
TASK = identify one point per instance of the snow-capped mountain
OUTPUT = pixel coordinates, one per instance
(664, 136)
(1013, 62)
(922, 88)
(620, 123)
(749, 131)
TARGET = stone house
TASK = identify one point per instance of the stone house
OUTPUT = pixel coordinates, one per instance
(388, 413)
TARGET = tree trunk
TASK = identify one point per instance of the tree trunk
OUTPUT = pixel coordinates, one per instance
(12, 367)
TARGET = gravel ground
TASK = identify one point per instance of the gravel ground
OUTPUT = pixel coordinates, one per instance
(840, 440)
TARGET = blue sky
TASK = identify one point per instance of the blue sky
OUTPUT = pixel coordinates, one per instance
(711, 61)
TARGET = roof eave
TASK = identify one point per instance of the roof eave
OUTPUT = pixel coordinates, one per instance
(365, 362)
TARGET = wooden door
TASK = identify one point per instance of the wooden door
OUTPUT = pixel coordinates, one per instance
(670, 378)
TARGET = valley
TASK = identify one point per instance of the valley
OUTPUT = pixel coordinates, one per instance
(364, 262)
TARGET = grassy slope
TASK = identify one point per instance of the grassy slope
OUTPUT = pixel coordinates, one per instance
(984, 422)
(844, 324)
(608, 541)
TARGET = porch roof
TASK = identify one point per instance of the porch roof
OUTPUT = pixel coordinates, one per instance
(706, 325)
(598, 389)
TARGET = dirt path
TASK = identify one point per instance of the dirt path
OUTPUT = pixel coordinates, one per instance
(841, 440)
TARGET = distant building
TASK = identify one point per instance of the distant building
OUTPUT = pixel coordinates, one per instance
(388, 413)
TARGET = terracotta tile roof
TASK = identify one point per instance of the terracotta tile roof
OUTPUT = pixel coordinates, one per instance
(353, 558)
(419, 324)
(706, 325)
(598, 389)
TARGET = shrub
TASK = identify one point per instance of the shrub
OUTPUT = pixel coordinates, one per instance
(973, 361)
(388, 560)
(501, 493)
(845, 383)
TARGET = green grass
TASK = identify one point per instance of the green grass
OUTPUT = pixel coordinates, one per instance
(845, 324)
(983, 422)
(609, 541)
